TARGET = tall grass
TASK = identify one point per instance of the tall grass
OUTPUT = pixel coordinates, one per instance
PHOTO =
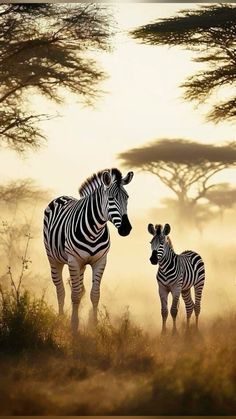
(118, 346)
(115, 368)
(26, 323)
(194, 374)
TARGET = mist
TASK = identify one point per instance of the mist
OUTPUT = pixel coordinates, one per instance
(129, 280)
(125, 357)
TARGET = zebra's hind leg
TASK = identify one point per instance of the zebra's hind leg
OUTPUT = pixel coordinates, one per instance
(56, 273)
(77, 290)
(189, 304)
(98, 269)
(198, 296)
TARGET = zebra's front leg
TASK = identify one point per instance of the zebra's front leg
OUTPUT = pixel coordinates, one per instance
(56, 273)
(175, 306)
(163, 293)
(98, 269)
(77, 290)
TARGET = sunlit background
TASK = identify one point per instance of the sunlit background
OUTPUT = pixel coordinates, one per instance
(143, 102)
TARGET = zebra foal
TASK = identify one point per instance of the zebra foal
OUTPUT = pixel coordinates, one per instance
(76, 234)
(176, 274)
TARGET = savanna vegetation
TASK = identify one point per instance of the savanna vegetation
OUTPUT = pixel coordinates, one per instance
(123, 366)
(117, 368)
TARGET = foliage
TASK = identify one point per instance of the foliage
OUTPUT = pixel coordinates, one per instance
(222, 195)
(22, 191)
(209, 32)
(44, 50)
(185, 167)
(25, 323)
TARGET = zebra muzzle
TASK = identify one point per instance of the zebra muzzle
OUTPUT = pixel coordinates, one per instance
(125, 226)
(153, 258)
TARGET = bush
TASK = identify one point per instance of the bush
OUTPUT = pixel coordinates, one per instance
(26, 323)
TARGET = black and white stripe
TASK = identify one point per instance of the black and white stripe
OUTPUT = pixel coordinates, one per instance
(76, 234)
(176, 274)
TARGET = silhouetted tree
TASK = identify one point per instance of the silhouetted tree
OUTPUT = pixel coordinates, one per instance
(44, 50)
(222, 196)
(210, 33)
(22, 191)
(185, 167)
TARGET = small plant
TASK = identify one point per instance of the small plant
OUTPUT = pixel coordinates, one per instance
(10, 242)
(26, 322)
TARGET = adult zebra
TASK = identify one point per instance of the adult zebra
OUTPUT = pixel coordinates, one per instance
(76, 234)
(176, 274)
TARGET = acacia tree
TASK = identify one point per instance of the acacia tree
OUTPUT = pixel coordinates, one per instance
(44, 51)
(185, 167)
(22, 191)
(223, 196)
(209, 32)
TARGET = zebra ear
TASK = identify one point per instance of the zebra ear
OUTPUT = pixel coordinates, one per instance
(127, 179)
(106, 178)
(151, 229)
(166, 229)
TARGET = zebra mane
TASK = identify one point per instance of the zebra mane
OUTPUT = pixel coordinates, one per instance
(170, 243)
(159, 226)
(94, 182)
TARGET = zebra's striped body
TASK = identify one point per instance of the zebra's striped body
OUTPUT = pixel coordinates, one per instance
(73, 232)
(76, 234)
(176, 274)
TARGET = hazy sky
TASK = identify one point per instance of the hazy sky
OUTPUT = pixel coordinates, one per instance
(143, 102)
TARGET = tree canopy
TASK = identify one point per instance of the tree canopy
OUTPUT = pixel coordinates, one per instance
(222, 195)
(209, 32)
(183, 166)
(44, 50)
(22, 191)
